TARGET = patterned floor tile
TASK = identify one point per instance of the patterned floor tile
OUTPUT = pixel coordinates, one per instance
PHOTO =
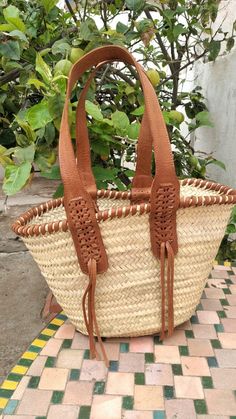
(191, 374)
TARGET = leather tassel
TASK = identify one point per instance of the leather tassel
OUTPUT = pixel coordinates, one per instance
(90, 319)
(166, 251)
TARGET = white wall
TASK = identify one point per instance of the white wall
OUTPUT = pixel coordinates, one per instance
(218, 80)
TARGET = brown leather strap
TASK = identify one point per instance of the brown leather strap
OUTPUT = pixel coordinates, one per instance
(165, 176)
(142, 180)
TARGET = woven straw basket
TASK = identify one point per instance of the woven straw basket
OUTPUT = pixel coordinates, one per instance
(152, 255)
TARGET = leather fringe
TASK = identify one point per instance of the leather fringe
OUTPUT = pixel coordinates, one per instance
(90, 318)
(166, 251)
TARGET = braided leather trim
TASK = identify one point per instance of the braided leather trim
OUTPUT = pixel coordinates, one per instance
(87, 243)
(163, 217)
(20, 227)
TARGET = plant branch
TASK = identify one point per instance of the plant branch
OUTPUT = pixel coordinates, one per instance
(71, 11)
(161, 43)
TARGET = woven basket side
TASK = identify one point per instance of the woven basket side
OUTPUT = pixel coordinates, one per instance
(128, 299)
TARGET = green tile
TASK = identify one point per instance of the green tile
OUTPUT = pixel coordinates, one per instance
(128, 402)
(14, 377)
(232, 417)
(50, 362)
(168, 392)
(67, 343)
(35, 349)
(33, 382)
(84, 412)
(57, 397)
(6, 394)
(1, 410)
(159, 414)
(157, 340)
(25, 362)
(228, 281)
(99, 387)
(199, 307)
(62, 317)
(124, 347)
(40, 417)
(207, 382)
(226, 290)
(113, 366)
(149, 358)
(10, 407)
(44, 337)
(139, 378)
(194, 320)
(215, 343)
(200, 407)
(224, 302)
(74, 374)
(189, 334)
(221, 314)
(212, 361)
(177, 369)
(183, 350)
(87, 354)
(53, 326)
(219, 328)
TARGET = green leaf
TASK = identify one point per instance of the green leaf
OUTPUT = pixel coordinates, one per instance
(120, 120)
(16, 177)
(4, 159)
(214, 49)
(133, 131)
(10, 49)
(121, 28)
(230, 43)
(55, 105)
(61, 47)
(25, 154)
(203, 119)
(48, 4)
(100, 147)
(53, 174)
(7, 27)
(18, 34)
(38, 115)
(93, 110)
(217, 163)
(59, 192)
(37, 83)
(231, 228)
(26, 128)
(43, 69)
(179, 30)
(138, 111)
(10, 11)
(135, 5)
(11, 15)
(104, 174)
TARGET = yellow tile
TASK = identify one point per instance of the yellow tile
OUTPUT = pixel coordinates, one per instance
(48, 332)
(30, 355)
(9, 385)
(3, 403)
(40, 343)
(227, 263)
(58, 322)
(215, 262)
(19, 369)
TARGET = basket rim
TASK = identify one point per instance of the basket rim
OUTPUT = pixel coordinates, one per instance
(226, 196)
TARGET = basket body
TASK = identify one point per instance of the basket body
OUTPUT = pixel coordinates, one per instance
(128, 295)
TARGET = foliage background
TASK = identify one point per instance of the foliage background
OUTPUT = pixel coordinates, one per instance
(38, 43)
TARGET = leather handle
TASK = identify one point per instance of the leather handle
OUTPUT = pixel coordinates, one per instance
(79, 204)
(142, 179)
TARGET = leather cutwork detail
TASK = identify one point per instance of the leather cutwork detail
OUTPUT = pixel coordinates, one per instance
(163, 220)
(81, 218)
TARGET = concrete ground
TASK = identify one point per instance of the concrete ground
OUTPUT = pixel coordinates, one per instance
(22, 287)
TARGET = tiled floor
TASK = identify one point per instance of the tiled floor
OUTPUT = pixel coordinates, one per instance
(190, 375)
